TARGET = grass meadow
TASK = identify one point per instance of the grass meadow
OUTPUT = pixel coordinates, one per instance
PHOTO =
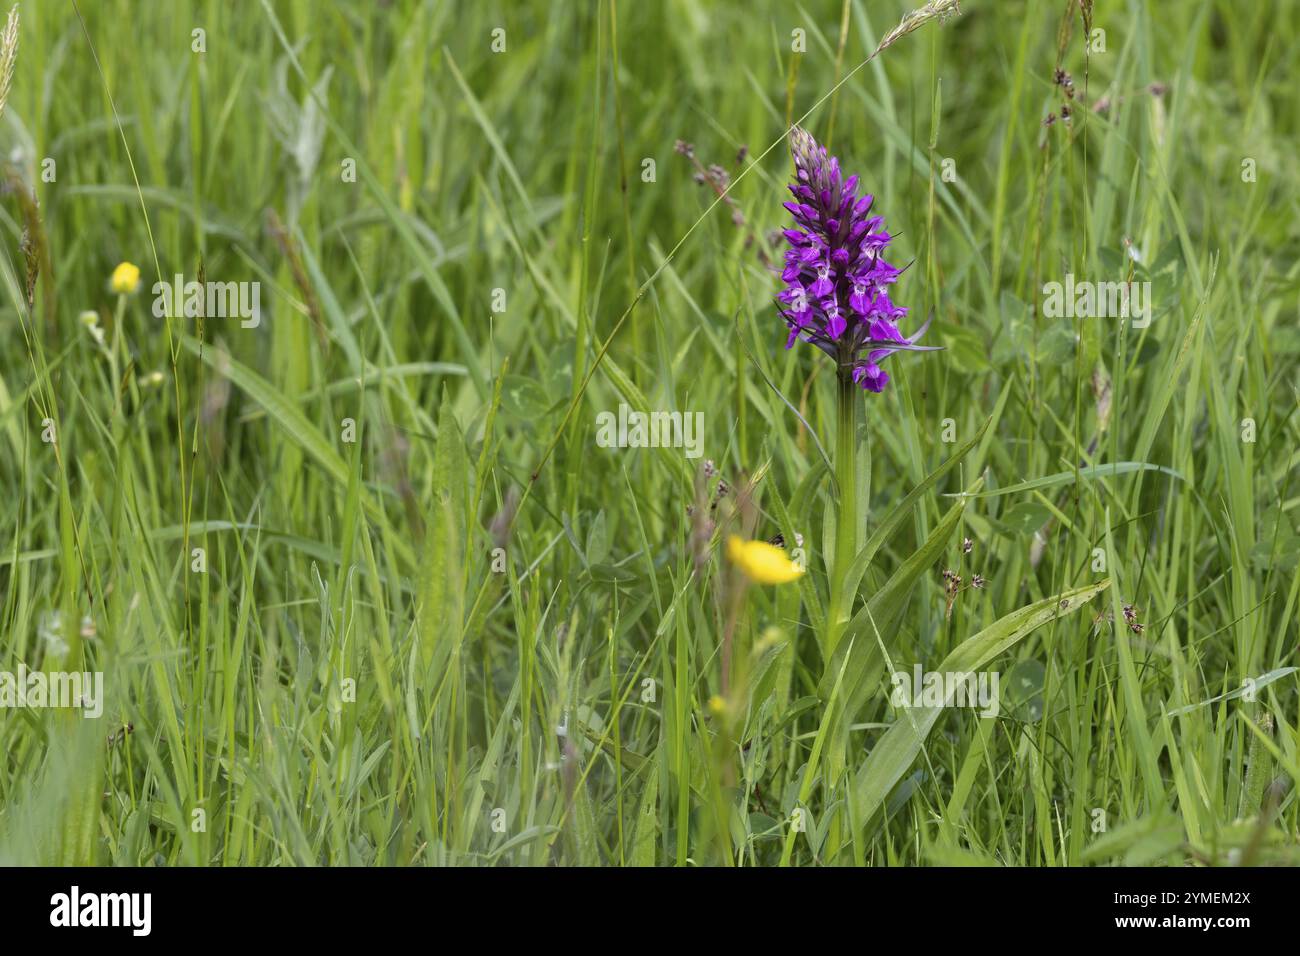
(366, 584)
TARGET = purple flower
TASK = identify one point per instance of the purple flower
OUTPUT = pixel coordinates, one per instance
(835, 275)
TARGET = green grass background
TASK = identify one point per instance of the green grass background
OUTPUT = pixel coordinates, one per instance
(349, 682)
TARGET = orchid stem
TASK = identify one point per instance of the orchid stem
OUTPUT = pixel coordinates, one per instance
(846, 531)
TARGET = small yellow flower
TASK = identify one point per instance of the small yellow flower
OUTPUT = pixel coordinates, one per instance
(126, 278)
(761, 562)
(717, 705)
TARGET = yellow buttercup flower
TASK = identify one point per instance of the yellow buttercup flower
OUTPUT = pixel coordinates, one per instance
(126, 278)
(761, 562)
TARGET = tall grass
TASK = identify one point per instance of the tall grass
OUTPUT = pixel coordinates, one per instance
(359, 676)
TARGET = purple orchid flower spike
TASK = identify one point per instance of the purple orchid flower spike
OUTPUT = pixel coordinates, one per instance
(836, 293)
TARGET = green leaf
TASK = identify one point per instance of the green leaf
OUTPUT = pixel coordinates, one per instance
(582, 828)
(1022, 691)
(597, 540)
(901, 510)
(1068, 477)
(1143, 841)
(763, 679)
(967, 348)
(893, 755)
(524, 399)
(858, 656)
(1056, 347)
(1251, 686)
(1024, 518)
(442, 605)
(647, 823)
(280, 408)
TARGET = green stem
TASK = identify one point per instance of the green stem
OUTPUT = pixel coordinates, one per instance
(846, 531)
(841, 598)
